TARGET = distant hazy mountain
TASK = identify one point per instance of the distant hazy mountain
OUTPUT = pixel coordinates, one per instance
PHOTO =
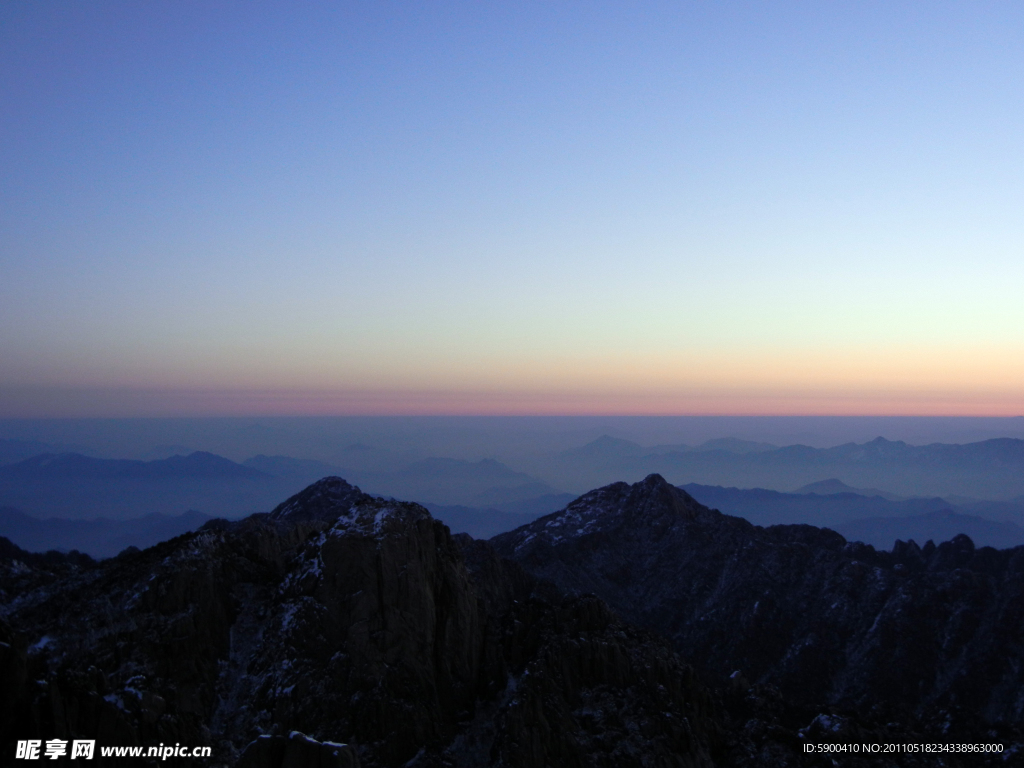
(73, 465)
(610, 448)
(833, 486)
(993, 469)
(483, 483)
(605, 448)
(478, 522)
(361, 458)
(536, 507)
(99, 537)
(304, 470)
(1012, 510)
(166, 451)
(436, 481)
(75, 486)
(733, 445)
(872, 519)
(12, 451)
(764, 507)
(483, 523)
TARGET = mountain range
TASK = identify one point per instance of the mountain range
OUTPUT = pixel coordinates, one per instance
(991, 469)
(340, 629)
(635, 627)
(75, 486)
(872, 519)
(486, 497)
(925, 637)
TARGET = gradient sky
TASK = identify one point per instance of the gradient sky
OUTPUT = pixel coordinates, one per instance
(354, 207)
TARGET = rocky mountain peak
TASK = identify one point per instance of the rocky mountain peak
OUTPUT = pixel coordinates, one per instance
(654, 497)
(326, 499)
(347, 510)
(919, 633)
(643, 509)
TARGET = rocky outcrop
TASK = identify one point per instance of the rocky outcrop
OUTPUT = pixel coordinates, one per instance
(340, 629)
(931, 638)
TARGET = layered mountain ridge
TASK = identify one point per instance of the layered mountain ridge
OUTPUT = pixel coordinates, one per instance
(874, 520)
(75, 486)
(989, 469)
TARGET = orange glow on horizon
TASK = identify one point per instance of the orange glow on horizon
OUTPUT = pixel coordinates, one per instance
(780, 382)
(109, 403)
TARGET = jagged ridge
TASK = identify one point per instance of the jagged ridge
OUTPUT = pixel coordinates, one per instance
(933, 636)
(347, 619)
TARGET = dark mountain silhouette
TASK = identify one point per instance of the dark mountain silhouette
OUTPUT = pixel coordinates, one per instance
(340, 630)
(928, 637)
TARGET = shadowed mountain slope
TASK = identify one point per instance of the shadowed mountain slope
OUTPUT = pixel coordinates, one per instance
(919, 636)
(343, 629)
(357, 621)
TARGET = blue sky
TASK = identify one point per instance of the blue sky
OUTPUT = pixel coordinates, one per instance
(511, 208)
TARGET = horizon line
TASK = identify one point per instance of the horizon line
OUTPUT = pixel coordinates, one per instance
(507, 415)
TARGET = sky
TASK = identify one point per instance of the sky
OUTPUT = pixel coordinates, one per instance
(511, 208)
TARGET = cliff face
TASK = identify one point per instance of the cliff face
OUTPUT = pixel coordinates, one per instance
(933, 637)
(360, 623)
